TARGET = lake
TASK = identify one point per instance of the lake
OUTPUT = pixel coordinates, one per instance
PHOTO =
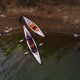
(60, 56)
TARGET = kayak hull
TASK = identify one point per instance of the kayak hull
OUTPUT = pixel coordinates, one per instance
(32, 24)
(35, 54)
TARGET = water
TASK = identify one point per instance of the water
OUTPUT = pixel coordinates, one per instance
(60, 55)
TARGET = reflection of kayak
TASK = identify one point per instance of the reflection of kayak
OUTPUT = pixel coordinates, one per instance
(33, 26)
(31, 44)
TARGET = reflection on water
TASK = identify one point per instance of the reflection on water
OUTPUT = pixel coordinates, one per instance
(15, 65)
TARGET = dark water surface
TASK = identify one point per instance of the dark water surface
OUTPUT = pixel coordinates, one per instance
(60, 56)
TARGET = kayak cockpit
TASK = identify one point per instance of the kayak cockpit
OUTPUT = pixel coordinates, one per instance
(31, 43)
(34, 27)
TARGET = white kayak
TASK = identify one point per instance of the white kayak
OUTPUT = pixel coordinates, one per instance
(33, 26)
(31, 44)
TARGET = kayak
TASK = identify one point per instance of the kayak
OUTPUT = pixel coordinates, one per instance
(33, 26)
(32, 45)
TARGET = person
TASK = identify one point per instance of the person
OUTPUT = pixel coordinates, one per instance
(31, 43)
(33, 26)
